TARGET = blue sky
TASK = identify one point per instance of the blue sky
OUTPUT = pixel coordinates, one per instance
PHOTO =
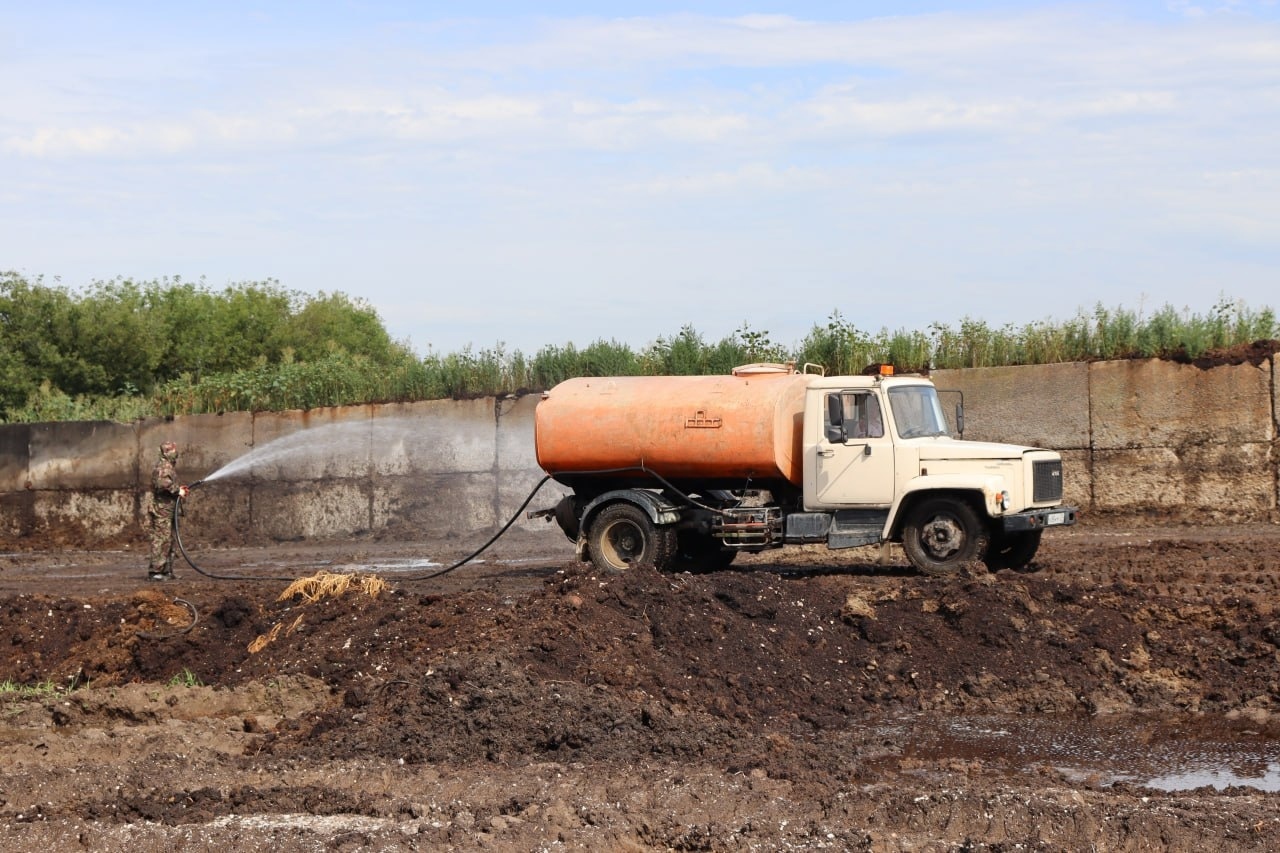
(483, 174)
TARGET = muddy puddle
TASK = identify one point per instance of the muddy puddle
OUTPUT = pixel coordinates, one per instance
(413, 564)
(1166, 755)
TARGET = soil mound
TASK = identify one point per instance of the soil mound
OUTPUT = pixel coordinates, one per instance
(762, 707)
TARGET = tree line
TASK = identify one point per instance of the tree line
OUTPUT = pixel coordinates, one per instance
(122, 350)
(129, 340)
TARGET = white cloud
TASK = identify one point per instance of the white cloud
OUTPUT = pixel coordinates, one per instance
(750, 178)
(885, 76)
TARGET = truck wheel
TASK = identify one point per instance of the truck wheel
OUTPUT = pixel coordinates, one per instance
(941, 535)
(1013, 550)
(622, 536)
(697, 552)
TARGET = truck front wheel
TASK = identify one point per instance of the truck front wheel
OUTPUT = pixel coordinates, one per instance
(622, 536)
(942, 534)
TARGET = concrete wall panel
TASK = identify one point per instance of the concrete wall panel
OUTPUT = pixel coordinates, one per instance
(82, 455)
(218, 515)
(205, 443)
(1136, 478)
(1163, 404)
(435, 437)
(1041, 405)
(1229, 481)
(1275, 397)
(518, 462)
(15, 455)
(1216, 482)
(515, 451)
(72, 518)
(516, 486)
(1077, 475)
(436, 506)
(320, 444)
(1274, 365)
(17, 516)
(286, 511)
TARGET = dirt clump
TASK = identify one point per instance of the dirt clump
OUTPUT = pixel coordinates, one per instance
(1254, 352)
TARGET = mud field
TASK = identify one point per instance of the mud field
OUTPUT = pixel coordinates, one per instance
(1122, 697)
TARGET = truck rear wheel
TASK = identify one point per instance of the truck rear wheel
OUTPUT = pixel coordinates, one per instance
(1013, 550)
(943, 534)
(622, 536)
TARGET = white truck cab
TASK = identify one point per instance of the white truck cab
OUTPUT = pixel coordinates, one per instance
(880, 456)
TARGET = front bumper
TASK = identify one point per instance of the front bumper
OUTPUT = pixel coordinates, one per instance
(1038, 519)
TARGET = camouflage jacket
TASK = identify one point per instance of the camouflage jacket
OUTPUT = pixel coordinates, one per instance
(164, 479)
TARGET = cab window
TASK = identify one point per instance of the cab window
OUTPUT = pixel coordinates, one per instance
(853, 415)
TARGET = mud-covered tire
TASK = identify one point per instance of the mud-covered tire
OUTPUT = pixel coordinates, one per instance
(1013, 551)
(622, 536)
(942, 534)
(697, 552)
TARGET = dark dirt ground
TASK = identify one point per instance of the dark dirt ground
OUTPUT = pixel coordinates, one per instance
(806, 699)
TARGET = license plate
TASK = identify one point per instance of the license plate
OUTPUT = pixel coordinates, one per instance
(1055, 518)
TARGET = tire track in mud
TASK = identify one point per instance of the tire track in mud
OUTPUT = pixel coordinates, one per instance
(1186, 569)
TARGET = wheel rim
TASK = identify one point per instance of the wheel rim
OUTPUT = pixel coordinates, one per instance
(942, 537)
(622, 543)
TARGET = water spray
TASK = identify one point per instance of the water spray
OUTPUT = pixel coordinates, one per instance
(177, 538)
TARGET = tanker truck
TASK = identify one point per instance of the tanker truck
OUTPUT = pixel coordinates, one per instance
(686, 472)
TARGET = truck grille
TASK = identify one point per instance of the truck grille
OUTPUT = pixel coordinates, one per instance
(1047, 481)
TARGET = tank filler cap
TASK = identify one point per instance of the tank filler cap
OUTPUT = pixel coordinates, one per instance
(761, 368)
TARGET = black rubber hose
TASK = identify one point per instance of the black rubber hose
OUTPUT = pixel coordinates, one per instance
(195, 619)
(182, 549)
(177, 538)
(177, 527)
(515, 516)
(641, 467)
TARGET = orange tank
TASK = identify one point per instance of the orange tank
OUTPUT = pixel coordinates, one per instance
(697, 432)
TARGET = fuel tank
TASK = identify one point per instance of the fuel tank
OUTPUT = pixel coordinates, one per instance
(697, 432)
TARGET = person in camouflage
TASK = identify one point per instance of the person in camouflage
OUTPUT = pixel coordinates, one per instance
(165, 492)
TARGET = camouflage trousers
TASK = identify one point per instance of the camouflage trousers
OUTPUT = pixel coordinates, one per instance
(160, 516)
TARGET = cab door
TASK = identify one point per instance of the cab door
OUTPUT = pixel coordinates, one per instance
(851, 463)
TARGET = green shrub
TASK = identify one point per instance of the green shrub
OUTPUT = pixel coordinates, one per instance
(125, 350)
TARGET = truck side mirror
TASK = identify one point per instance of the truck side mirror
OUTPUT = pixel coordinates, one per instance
(959, 408)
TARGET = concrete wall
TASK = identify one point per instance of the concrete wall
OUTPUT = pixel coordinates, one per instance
(1141, 436)
(438, 470)
(1041, 406)
(1136, 436)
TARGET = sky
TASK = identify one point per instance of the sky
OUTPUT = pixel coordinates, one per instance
(518, 175)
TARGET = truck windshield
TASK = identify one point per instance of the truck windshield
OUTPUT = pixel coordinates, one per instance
(917, 411)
